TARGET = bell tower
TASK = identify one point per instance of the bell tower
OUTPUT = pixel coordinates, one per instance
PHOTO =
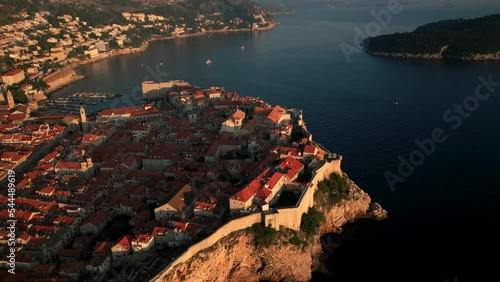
(10, 100)
(83, 115)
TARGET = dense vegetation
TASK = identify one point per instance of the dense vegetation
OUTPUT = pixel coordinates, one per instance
(462, 36)
(12, 7)
(311, 221)
(335, 188)
(264, 236)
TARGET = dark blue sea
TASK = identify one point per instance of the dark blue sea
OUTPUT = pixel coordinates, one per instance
(444, 219)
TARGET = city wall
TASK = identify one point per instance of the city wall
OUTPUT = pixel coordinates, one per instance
(151, 89)
(292, 216)
(286, 217)
(223, 231)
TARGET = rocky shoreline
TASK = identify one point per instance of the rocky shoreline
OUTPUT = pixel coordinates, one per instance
(438, 56)
(236, 258)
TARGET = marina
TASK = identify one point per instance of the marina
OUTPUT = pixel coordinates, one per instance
(72, 103)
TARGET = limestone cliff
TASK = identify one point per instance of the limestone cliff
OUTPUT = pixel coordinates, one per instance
(236, 257)
(358, 205)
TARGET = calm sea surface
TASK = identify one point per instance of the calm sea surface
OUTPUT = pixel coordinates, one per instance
(444, 219)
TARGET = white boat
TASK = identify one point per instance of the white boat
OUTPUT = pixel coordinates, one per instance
(208, 62)
(242, 48)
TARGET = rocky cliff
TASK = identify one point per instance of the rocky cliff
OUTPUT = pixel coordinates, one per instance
(237, 258)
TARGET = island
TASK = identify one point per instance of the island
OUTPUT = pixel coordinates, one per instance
(459, 39)
(194, 184)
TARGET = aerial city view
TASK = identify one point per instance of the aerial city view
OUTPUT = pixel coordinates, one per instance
(240, 140)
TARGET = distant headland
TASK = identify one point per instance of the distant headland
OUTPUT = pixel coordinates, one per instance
(460, 39)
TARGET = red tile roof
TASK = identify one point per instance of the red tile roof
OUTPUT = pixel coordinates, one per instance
(276, 114)
(16, 117)
(204, 206)
(142, 238)
(275, 178)
(13, 72)
(68, 165)
(291, 166)
(263, 193)
(159, 231)
(309, 148)
(103, 248)
(47, 190)
(248, 191)
(238, 114)
(125, 242)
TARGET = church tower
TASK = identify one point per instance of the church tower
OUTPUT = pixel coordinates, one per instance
(10, 100)
(83, 118)
(83, 115)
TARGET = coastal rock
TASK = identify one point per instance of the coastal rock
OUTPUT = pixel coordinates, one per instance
(236, 258)
(359, 205)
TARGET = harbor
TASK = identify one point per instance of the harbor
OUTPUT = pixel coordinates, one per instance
(71, 104)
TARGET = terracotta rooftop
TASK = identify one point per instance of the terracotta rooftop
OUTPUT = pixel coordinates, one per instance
(13, 72)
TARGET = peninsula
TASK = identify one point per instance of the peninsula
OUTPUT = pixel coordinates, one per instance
(198, 183)
(460, 39)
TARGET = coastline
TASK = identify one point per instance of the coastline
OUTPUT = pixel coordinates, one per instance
(438, 56)
(235, 257)
(283, 13)
(144, 47)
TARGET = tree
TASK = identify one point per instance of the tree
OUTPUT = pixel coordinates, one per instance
(311, 221)
(105, 35)
(39, 84)
(19, 95)
(113, 44)
(263, 235)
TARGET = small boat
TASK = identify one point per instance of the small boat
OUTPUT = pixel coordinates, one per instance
(208, 62)
(395, 103)
(242, 48)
